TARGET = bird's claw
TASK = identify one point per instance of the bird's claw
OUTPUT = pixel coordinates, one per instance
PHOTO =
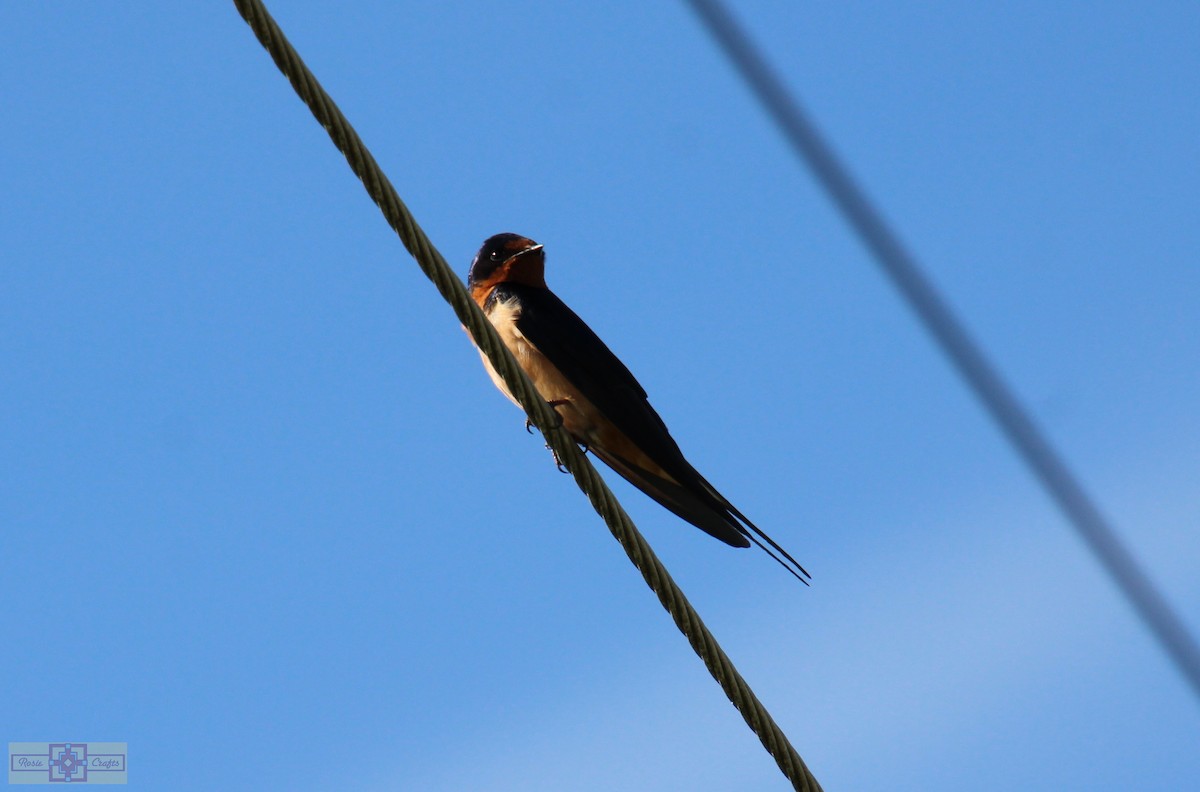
(558, 421)
(583, 447)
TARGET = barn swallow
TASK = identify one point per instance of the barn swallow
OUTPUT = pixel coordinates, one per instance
(600, 403)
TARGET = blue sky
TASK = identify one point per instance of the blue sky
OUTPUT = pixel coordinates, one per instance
(266, 520)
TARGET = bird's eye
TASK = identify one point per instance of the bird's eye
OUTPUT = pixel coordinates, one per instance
(495, 256)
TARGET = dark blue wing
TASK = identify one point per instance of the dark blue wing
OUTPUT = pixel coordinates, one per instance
(567, 342)
(571, 346)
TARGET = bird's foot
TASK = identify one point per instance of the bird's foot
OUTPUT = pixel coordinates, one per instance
(583, 448)
(558, 418)
(558, 422)
(558, 462)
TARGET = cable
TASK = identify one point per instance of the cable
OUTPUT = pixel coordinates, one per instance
(451, 288)
(967, 356)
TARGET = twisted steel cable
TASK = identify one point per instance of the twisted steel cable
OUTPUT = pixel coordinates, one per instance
(452, 290)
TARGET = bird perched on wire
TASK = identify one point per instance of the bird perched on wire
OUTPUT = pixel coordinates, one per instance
(601, 405)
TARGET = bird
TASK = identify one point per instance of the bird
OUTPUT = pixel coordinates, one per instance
(599, 401)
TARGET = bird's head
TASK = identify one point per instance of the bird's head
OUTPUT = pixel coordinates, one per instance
(507, 258)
